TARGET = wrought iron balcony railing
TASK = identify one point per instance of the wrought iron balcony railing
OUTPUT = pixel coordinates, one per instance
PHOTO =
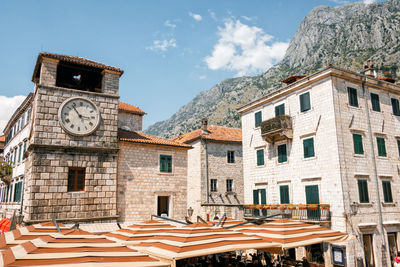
(303, 212)
(277, 128)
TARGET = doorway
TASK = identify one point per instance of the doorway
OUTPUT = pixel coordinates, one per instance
(312, 197)
(392, 240)
(368, 251)
(163, 206)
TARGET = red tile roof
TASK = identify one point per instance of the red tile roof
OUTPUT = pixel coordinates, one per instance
(215, 133)
(139, 137)
(130, 108)
(2, 139)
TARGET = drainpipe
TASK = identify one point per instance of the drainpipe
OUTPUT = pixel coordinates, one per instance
(207, 178)
(374, 166)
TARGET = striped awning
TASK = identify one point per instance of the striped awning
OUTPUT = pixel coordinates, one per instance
(30, 232)
(198, 240)
(291, 234)
(75, 248)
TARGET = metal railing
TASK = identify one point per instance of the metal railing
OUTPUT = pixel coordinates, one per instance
(303, 212)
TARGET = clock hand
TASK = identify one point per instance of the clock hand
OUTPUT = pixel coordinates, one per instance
(80, 116)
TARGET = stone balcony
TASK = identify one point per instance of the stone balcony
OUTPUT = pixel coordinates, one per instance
(277, 128)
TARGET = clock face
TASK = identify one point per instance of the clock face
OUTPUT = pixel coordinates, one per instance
(79, 116)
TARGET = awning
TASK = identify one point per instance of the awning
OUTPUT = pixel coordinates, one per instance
(291, 234)
(75, 248)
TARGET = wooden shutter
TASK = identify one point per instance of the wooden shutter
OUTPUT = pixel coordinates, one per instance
(395, 106)
(363, 191)
(258, 118)
(375, 102)
(284, 191)
(381, 146)
(308, 146)
(352, 92)
(387, 192)
(280, 110)
(260, 157)
(398, 146)
(358, 145)
(282, 153)
(305, 102)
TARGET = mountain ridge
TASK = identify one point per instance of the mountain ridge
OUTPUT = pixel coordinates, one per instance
(345, 36)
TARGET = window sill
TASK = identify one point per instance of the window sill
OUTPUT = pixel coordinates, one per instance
(389, 204)
(166, 173)
(306, 111)
(353, 107)
(358, 155)
(282, 163)
(365, 205)
(380, 157)
(310, 158)
(260, 166)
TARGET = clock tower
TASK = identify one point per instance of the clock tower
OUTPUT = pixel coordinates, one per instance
(71, 169)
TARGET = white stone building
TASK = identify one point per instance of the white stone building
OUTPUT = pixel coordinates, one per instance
(332, 137)
(215, 171)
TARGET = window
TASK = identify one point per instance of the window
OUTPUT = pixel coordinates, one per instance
(28, 115)
(258, 118)
(280, 110)
(381, 146)
(18, 192)
(353, 101)
(76, 179)
(231, 156)
(284, 191)
(395, 106)
(23, 120)
(260, 157)
(363, 191)
(23, 155)
(213, 185)
(375, 102)
(19, 153)
(229, 185)
(165, 163)
(308, 147)
(358, 145)
(387, 191)
(398, 146)
(282, 154)
(305, 103)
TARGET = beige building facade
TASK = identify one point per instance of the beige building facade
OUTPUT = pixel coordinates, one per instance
(215, 172)
(330, 138)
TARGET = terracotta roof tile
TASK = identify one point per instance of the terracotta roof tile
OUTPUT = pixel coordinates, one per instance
(2, 139)
(215, 133)
(130, 108)
(139, 137)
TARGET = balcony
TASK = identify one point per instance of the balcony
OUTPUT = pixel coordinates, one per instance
(302, 212)
(277, 128)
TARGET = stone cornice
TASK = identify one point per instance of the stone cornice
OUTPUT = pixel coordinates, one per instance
(39, 86)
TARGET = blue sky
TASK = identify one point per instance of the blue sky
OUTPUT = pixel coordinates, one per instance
(170, 50)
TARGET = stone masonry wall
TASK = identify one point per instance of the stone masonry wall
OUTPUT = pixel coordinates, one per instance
(140, 181)
(133, 121)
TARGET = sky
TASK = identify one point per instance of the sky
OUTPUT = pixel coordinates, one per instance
(170, 50)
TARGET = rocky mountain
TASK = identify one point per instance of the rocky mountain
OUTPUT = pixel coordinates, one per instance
(345, 36)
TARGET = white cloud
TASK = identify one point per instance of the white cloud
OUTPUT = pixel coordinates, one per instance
(212, 14)
(244, 49)
(162, 45)
(367, 2)
(169, 24)
(196, 17)
(7, 108)
(247, 18)
(202, 77)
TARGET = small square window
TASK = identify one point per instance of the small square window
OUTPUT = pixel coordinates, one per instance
(305, 103)
(76, 179)
(231, 156)
(257, 118)
(308, 147)
(229, 185)
(213, 185)
(353, 101)
(165, 163)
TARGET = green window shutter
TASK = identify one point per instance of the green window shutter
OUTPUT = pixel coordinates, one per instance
(280, 110)
(381, 146)
(165, 163)
(305, 103)
(284, 191)
(398, 146)
(375, 102)
(258, 118)
(17, 193)
(353, 101)
(255, 197)
(308, 146)
(358, 145)
(11, 192)
(23, 157)
(263, 200)
(260, 157)
(363, 191)
(387, 192)
(282, 153)
(395, 106)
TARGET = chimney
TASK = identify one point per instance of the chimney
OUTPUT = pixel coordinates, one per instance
(369, 68)
(204, 123)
